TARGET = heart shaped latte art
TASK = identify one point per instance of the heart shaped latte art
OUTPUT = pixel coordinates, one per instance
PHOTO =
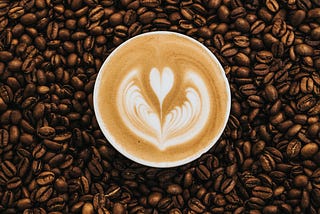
(181, 124)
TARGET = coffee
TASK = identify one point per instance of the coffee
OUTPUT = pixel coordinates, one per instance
(162, 98)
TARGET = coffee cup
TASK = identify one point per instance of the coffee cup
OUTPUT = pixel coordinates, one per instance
(162, 99)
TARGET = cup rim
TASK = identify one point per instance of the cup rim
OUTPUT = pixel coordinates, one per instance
(163, 164)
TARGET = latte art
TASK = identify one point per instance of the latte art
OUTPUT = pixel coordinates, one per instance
(161, 99)
(182, 122)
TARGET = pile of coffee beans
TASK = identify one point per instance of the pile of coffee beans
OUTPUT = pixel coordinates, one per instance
(54, 158)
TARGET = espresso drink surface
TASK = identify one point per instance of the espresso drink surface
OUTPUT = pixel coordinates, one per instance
(162, 98)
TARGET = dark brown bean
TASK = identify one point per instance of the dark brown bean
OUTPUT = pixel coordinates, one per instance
(262, 192)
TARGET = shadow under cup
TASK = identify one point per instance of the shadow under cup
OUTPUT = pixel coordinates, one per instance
(162, 99)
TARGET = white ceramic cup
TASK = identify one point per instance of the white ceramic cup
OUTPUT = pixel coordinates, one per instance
(114, 142)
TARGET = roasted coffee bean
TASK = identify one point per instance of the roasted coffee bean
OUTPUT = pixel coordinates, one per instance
(203, 172)
(46, 132)
(228, 50)
(238, 12)
(303, 50)
(228, 185)
(174, 189)
(52, 30)
(293, 148)
(279, 27)
(271, 93)
(196, 205)
(241, 41)
(24, 204)
(261, 69)
(306, 102)
(309, 150)
(95, 167)
(56, 204)
(262, 192)
(4, 138)
(45, 178)
(23, 167)
(14, 183)
(264, 57)
(267, 162)
(28, 19)
(272, 5)
(165, 204)
(43, 193)
(61, 185)
(8, 168)
(256, 203)
(257, 27)
(5, 56)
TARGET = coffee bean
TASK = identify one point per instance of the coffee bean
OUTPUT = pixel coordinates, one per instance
(24, 204)
(300, 181)
(293, 148)
(272, 5)
(43, 193)
(95, 167)
(5, 56)
(267, 162)
(196, 205)
(4, 138)
(264, 57)
(303, 50)
(174, 189)
(8, 168)
(248, 89)
(23, 167)
(150, 3)
(242, 25)
(203, 172)
(228, 185)
(257, 27)
(218, 41)
(119, 208)
(28, 19)
(14, 183)
(56, 204)
(154, 198)
(214, 4)
(262, 192)
(116, 19)
(306, 102)
(255, 203)
(241, 41)
(255, 101)
(46, 132)
(61, 185)
(270, 209)
(45, 178)
(271, 93)
(87, 208)
(314, 13)
(238, 12)
(309, 150)
(96, 13)
(279, 27)
(165, 204)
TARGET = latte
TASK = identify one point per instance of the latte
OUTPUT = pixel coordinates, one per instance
(162, 99)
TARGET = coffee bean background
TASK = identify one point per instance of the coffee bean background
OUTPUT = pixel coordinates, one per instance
(54, 158)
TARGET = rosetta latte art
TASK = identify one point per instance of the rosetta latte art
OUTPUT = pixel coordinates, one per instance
(180, 124)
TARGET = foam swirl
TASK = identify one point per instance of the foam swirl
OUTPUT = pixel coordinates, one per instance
(182, 123)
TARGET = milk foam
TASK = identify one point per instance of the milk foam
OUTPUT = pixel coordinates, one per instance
(147, 120)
